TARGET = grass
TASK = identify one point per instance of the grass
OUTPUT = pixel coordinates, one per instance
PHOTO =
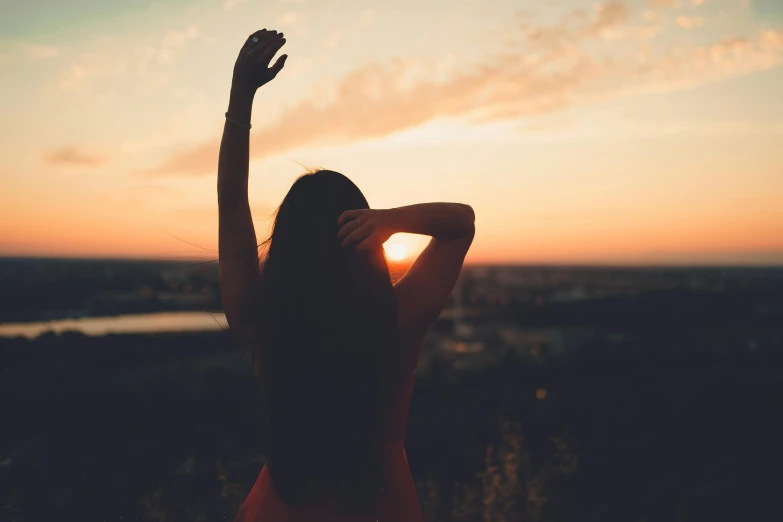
(510, 488)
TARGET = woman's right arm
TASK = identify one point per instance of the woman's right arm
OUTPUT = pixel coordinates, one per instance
(424, 290)
(442, 221)
(439, 220)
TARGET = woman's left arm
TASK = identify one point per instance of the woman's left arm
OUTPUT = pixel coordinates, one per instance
(239, 270)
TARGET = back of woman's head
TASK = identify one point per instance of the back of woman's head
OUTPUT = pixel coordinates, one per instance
(328, 340)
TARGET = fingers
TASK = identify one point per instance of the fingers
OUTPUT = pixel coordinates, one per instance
(251, 45)
(365, 245)
(356, 237)
(272, 46)
(257, 34)
(345, 230)
(348, 215)
(264, 37)
(278, 64)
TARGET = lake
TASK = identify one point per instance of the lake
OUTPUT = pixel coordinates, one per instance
(140, 323)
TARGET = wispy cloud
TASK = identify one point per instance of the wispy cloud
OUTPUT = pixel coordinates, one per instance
(607, 16)
(119, 63)
(172, 41)
(689, 22)
(543, 69)
(657, 129)
(666, 3)
(228, 5)
(72, 155)
(92, 68)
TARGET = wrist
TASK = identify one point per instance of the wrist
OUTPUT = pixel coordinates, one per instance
(240, 102)
(394, 219)
(241, 90)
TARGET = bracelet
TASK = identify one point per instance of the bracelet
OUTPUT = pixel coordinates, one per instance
(243, 125)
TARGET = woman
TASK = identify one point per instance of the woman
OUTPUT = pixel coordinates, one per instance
(332, 341)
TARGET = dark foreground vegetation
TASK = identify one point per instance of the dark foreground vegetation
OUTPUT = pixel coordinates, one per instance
(166, 428)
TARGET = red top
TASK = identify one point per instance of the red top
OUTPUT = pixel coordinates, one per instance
(399, 502)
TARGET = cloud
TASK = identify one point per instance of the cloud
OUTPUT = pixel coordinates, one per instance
(72, 155)
(577, 26)
(666, 3)
(174, 40)
(103, 63)
(688, 22)
(653, 129)
(74, 79)
(228, 5)
(163, 52)
(608, 16)
(92, 68)
(554, 67)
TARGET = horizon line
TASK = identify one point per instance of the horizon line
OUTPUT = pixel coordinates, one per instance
(393, 264)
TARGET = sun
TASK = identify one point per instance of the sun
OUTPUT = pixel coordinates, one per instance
(396, 251)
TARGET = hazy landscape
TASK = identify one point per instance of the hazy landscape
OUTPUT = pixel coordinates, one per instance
(548, 393)
(612, 350)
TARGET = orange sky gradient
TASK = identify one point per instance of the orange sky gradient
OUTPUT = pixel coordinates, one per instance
(622, 132)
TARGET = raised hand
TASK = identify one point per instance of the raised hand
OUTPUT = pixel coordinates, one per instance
(251, 69)
(365, 229)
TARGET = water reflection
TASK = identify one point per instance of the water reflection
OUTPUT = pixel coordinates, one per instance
(141, 323)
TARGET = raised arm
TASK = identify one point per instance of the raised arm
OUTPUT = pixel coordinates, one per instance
(424, 290)
(238, 255)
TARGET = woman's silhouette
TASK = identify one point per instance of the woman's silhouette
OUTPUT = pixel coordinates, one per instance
(332, 341)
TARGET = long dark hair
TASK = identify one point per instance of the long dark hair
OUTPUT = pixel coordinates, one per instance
(327, 330)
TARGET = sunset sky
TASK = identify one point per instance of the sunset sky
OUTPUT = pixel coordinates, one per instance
(637, 131)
